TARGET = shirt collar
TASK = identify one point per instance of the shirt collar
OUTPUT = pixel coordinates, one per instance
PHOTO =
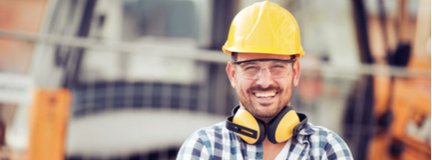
(305, 132)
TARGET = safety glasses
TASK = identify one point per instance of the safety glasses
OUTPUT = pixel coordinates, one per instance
(276, 68)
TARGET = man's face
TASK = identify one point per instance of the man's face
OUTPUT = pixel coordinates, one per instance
(263, 96)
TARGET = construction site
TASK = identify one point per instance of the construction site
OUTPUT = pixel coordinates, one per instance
(133, 79)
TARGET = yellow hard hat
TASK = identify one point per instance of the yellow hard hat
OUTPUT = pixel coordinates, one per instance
(264, 28)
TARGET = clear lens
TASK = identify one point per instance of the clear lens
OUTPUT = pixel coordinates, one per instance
(274, 69)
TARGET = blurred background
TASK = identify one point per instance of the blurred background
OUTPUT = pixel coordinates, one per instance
(133, 79)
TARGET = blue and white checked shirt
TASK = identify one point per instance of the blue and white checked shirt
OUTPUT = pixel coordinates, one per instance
(217, 142)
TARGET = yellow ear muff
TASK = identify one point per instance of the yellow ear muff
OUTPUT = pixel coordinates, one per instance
(244, 118)
(281, 128)
(250, 129)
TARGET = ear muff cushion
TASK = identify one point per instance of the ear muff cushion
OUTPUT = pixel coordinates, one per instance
(245, 118)
(281, 127)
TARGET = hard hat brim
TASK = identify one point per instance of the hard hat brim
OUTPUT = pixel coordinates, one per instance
(263, 50)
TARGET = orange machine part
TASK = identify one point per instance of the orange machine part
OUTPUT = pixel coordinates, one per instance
(409, 101)
(48, 120)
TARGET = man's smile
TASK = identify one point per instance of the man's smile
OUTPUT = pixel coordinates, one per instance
(265, 98)
(264, 94)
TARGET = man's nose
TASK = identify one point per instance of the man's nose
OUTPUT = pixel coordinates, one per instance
(264, 78)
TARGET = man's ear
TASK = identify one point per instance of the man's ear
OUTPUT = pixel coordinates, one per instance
(296, 70)
(230, 69)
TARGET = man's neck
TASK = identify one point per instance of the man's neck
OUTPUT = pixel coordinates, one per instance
(272, 150)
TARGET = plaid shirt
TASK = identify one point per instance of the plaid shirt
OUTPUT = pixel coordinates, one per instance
(217, 142)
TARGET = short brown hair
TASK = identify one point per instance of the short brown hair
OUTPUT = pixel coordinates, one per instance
(234, 56)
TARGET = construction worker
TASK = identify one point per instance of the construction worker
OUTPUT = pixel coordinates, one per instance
(264, 43)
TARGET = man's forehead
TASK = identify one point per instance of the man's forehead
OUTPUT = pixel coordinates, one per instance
(250, 56)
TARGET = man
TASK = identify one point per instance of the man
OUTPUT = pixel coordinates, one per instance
(264, 43)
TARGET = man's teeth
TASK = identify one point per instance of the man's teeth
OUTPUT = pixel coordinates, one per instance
(265, 94)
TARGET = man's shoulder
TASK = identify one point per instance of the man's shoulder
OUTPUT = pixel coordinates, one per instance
(319, 134)
(210, 134)
(217, 128)
(203, 142)
(328, 141)
(321, 131)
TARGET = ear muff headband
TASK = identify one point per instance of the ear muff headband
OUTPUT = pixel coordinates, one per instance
(246, 126)
(285, 125)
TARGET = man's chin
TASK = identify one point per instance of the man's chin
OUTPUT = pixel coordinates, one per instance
(264, 104)
(266, 111)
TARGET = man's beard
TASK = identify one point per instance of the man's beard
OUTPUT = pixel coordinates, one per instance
(268, 114)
